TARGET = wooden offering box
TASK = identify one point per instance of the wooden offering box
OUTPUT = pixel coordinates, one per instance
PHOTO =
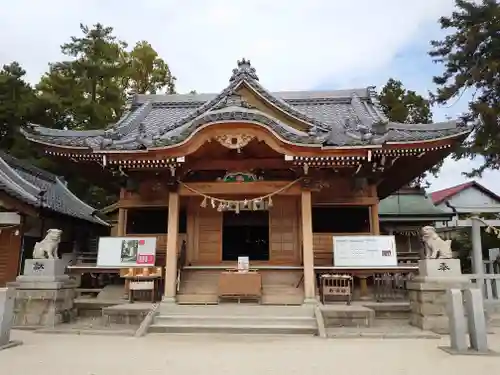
(240, 285)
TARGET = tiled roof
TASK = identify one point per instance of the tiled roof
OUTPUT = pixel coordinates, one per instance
(331, 118)
(445, 194)
(33, 185)
(415, 205)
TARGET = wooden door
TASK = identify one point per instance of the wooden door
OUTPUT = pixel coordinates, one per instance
(207, 228)
(284, 231)
(10, 249)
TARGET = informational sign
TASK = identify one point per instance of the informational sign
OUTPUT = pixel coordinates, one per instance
(364, 251)
(243, 264)
(126, 252)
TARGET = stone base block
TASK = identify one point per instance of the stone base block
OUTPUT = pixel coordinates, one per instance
(347, 316)
(45, 267)
(7, 296)
(428, 302)
(439, 268)
(43, 307)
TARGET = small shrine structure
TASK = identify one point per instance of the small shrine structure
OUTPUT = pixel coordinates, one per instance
(270, 175)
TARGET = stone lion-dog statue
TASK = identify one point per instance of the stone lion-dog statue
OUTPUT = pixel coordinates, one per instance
(47, 248)
(434, 246)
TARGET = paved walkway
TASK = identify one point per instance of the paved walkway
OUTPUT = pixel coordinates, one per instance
(46, 354)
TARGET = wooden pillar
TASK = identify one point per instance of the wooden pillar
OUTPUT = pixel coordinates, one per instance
(172, 236)
(122, 217)
(307, 247)
(374, 219)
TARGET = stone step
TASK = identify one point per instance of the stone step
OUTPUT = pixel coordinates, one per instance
(236, 320)
(197, 299)
(494, 320)
(230, 309)
(229, 329)
(267, 299)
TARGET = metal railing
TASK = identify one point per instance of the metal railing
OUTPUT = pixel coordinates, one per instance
(391, 286)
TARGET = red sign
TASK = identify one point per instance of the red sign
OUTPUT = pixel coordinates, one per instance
(145, 259)
(142, 242)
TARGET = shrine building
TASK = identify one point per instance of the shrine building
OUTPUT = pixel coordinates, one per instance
(248, 172)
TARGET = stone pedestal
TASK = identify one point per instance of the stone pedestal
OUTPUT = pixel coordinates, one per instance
(427, 292)
(44, 294)
(6, 314)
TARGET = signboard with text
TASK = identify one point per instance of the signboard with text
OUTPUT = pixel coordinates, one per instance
(364, 251)
(126, 252)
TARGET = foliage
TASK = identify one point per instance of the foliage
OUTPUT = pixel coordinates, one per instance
(16, 103)
(86, 92)
(408, 107)
(404, 106)
(470, 54)
(147, 72)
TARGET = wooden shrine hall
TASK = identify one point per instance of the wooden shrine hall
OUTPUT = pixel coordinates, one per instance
(248, 172)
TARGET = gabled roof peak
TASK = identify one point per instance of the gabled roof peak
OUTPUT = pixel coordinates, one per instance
(244, 70)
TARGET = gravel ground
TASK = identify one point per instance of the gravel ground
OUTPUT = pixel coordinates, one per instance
(45, 354)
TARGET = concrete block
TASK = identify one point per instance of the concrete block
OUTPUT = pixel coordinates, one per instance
(457, 323)
(7, 297)
(476, 320)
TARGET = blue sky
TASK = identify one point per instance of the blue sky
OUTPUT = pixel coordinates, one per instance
(294, 45)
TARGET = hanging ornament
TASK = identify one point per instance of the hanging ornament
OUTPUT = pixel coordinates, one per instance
(245, 203)
(254, 205)
(270, 202)
(204, 202)
(237, 208)
(212, 201)
(219, 208)
(488, 230)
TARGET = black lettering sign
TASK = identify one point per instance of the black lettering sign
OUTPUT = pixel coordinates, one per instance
(37, 266)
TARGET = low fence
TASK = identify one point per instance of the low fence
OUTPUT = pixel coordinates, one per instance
(490, 284)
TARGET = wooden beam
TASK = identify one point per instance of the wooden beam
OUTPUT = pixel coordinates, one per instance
(237, 165)
(254, 188)
(17, 205)
(374, 219)
(307, 246)
(172, 243)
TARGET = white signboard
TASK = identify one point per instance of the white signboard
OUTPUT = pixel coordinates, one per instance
(364, 251)
(243, 264)
(126, 252)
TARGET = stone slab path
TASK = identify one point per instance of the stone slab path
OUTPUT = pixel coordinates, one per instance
(44, 354)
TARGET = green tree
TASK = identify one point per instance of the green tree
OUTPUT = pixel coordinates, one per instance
(147, 72)
(402, 105)
(470, 54)
(16, 103)
(408, 107)
(87, 91)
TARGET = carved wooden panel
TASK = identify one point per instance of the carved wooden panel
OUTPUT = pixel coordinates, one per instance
(283, 231)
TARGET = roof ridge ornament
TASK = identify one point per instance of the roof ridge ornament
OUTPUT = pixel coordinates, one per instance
(244, 70)
(233, 99)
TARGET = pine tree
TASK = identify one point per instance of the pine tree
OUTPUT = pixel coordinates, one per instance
(470, 54)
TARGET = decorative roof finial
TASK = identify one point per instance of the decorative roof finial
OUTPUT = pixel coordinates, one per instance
(244, 70)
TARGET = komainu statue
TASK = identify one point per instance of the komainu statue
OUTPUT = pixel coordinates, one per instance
(434, 246)
(47, 248)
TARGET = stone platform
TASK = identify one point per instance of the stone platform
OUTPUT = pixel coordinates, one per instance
(44, 294)
(342, 315)
(127, 313)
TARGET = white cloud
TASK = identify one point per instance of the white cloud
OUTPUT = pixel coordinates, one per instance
(293, 44)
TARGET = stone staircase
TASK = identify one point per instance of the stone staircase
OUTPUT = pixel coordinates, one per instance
(235, 319)
(199, 287)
